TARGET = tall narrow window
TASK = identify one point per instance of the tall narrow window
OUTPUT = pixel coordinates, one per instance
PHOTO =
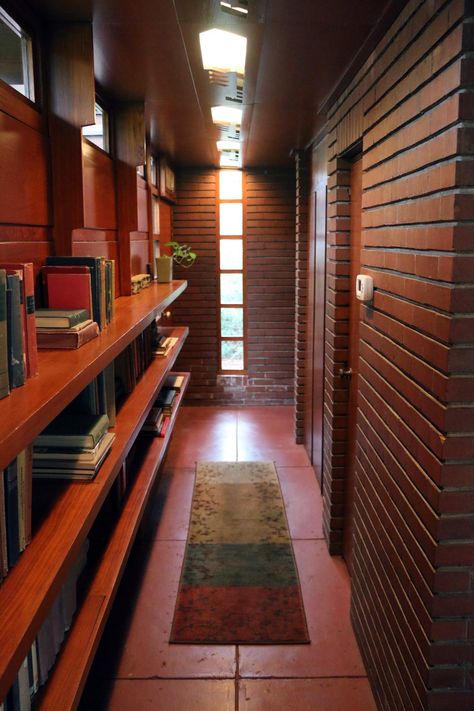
(16, 56)
(232, 301)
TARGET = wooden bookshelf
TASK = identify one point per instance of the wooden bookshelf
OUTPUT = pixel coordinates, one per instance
(64, 688)
(63, 374)
(30, 588)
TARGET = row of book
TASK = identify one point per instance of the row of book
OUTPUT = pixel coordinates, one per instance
(15, 509)
(164, 345)
(18, 350)
(132, 362)
(68, 284)
(35, 669)
(80, 283)
(72, 446)
(159, 416)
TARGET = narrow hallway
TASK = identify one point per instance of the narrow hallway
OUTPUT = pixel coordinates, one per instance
(137, 668)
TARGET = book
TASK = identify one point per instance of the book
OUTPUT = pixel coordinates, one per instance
(24, 686)
(63, 457)
(68, 338)
(11, 512)
(174, 381)
(33, 669)
(16, 351)
(24, 469)
(3, 530)
(164, 426)
(94, 263)
(56, 318)
(75, 430)
(28, 304)
(67, 287)
(84, 472)
(4, 381)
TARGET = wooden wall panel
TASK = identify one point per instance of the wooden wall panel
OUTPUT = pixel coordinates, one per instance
(24, 175)
(142, 205)
(100, 209)
(412, 596)
(139, 255)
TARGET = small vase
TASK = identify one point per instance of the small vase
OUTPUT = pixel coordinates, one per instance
(164, 269)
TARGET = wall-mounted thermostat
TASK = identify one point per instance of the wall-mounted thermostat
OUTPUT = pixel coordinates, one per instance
(364, 287)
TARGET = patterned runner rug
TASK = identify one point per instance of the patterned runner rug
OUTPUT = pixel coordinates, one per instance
(239, 583)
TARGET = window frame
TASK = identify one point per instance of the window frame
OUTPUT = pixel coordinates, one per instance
(244, 306)
(27, 25)
(106, 111)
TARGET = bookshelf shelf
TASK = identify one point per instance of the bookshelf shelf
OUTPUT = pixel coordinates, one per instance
(63, 374)
(31, 586)
(64, 688)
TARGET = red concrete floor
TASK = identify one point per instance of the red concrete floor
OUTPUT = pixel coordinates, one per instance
(137, 668)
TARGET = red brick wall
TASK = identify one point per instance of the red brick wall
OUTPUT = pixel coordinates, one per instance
(269, 198)
(412, 587)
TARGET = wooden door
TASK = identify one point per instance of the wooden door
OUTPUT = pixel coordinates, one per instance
(353, 363)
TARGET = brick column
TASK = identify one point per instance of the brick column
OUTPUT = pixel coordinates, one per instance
(302, 160)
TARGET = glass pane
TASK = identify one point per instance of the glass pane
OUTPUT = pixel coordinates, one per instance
(231, 254)
(232, 322)
(15, 56)
(231, 219)
(98, 132)
(232, 289)
(232, 355)
(230, 185)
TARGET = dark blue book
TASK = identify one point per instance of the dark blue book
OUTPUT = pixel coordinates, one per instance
(96, 281)
(16, 351)
(4, 381)
(11, 512)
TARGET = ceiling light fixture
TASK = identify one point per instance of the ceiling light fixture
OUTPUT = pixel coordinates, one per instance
(228, 145)
(226, 115)
(235, 8)
(223, 51)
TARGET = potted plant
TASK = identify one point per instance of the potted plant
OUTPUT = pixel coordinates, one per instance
(180, 253)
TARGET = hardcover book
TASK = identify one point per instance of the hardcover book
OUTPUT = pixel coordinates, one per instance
(69, 338)
(60, 318)
(4, 380)
(64, 457)
(16, 351)
(3, 532)
(11, 511)
(68, 287)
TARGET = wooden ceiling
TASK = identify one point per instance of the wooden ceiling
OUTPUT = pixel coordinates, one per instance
(298, 52)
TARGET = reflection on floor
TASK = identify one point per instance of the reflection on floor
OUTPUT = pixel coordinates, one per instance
(138, 669)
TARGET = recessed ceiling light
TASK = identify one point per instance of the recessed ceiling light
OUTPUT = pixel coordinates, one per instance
(228, 145)
(226, 115)
(223, 51)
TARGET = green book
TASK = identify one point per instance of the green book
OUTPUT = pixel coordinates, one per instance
(58, 318)
(73, 430)
(4, 380)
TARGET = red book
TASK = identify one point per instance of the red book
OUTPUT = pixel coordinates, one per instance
(67, 338)
(28, 317)
(164, 426)
(67, 287)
